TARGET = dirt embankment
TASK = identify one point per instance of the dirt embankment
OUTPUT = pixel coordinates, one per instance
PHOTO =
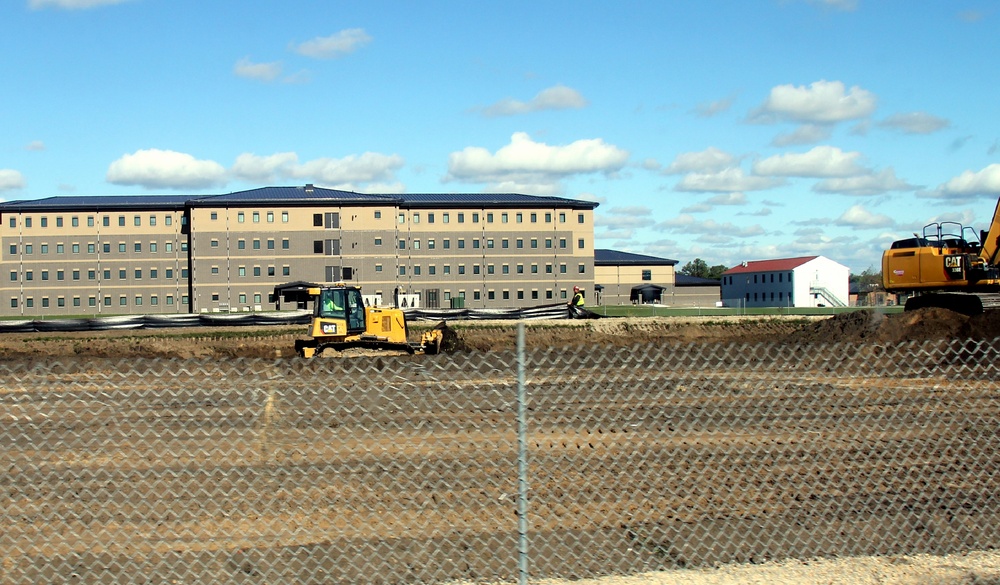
(858, 326)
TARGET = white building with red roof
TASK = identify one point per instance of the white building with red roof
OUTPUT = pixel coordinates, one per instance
(808, 281)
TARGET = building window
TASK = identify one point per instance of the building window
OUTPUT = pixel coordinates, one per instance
(647, 275)
(284, 216)
(270, 217)
(241, 218)
(579, 218)
(583, 269)
(256, 217)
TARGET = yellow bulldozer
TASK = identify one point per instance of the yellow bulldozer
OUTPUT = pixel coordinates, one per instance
(341, 320)
(948, 266)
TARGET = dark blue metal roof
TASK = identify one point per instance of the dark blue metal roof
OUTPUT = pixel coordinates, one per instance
(490, 200)
(300, 195)
(616, 258)
(95, 202)
(685, 280)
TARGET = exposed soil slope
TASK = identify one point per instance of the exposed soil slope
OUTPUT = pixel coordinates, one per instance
(278, 341)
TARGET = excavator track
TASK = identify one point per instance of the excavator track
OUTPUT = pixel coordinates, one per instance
(970, 304)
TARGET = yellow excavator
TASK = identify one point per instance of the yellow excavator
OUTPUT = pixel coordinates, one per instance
(948, 266)
(341, 320)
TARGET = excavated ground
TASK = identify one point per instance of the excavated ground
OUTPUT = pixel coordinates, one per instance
(278, 341)
(172, 476)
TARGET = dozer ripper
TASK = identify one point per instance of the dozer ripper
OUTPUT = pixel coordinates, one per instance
(949, 266)
(341, 320)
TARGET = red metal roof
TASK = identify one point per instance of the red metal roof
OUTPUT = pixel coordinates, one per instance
(776, 265)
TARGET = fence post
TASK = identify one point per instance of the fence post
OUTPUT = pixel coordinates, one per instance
(522, 462)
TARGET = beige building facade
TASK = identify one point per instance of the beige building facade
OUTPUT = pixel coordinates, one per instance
(72, 256)
(616, 273)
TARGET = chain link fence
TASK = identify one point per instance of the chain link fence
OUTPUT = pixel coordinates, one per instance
(400, 469)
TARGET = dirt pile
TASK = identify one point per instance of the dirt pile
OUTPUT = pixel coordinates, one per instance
(920, 325)
(573, 336)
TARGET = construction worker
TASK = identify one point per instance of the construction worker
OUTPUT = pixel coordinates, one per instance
(576, 303)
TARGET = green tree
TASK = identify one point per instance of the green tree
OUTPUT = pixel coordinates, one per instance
(701, 269)
(868, 280)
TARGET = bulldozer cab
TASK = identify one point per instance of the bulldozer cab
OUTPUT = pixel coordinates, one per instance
(343, 303)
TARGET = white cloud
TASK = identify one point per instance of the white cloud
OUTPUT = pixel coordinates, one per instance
(859, 217)
(10, 180)
(688, 224)
(72, 4)
(804, 134)
(728, 180)
(364, 168)
(369, 168)
(971, 184)
(35, 145)
(728, 199)
(534, 167)
(159, 169)
(822, 161)
(710, 160)
(844, 5)
(823, 102)
(915, 123)
(336, 45)
(620, 222)
(709, 109)
(558, 97)
(868, 184)
(259, 71)
(635, 210)
(264, 169)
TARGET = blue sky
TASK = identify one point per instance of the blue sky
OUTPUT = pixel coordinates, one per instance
(724, 130)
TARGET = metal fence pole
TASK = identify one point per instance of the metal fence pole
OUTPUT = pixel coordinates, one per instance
(522, 462)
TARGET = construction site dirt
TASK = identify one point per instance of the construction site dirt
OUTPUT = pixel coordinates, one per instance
(218, 456)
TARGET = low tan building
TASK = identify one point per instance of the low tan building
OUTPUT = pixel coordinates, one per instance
(616, 273)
